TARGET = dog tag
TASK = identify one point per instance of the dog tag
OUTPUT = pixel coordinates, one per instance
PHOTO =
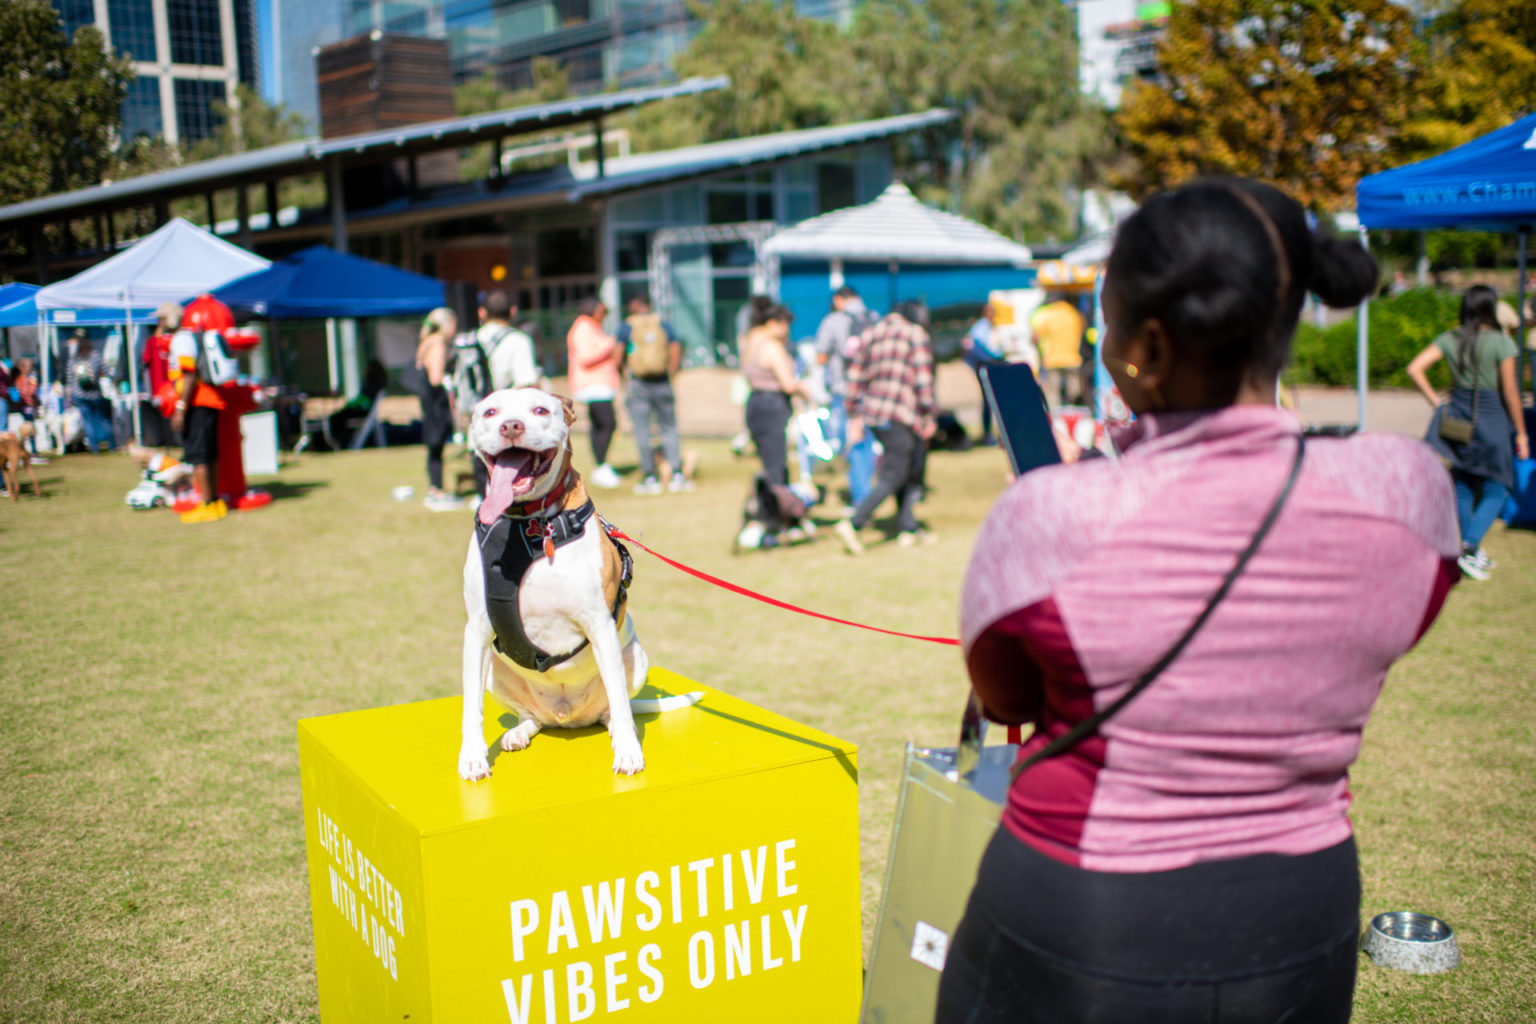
(549, 547)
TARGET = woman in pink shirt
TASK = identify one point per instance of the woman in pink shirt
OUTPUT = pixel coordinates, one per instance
(1192, 859)
(594, 379)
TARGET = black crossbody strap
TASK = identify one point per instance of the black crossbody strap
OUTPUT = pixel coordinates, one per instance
(1090, 725)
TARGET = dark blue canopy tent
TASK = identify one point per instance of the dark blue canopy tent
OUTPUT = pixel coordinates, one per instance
(1488, 184)
(321, 283)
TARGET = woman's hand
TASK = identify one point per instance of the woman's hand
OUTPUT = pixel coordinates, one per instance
(1418, 373)
(1522, 446)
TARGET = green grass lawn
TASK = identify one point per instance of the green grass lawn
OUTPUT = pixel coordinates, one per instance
(151, 841)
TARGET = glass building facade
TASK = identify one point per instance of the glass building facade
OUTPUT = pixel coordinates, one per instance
(186, 54)
(600, 43)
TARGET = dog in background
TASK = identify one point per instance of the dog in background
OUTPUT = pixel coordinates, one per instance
(14, 457)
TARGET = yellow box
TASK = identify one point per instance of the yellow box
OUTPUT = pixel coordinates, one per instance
(721, 884)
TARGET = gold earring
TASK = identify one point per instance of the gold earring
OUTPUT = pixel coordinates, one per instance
(1129, 368)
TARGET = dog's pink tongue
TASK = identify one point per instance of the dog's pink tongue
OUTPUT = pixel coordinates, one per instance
(502, 490)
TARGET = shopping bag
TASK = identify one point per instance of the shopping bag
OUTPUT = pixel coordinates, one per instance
(1520, 507)
(950, 802)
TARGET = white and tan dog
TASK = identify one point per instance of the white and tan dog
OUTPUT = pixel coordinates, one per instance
(556, 643)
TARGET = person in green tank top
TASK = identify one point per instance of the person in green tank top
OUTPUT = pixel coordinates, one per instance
(1482, 361)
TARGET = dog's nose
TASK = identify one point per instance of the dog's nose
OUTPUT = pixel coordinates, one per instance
(512, 429)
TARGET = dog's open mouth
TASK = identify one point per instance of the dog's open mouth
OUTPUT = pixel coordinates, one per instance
(514, 473)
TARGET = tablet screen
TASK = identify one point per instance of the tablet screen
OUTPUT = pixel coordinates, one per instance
(1019, 407)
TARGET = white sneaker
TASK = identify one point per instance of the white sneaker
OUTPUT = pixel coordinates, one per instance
(1470, 567)
(650, 485)
(912, 538)
(443, 502)
(1483, 560)
(751, 536)
(849, 536)
(604, 476)
(679, 483)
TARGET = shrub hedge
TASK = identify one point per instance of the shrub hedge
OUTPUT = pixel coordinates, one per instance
(1400, 327)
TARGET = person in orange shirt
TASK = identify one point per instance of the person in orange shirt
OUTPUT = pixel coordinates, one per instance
(1058, 331)
(195, 416)
(594, 379)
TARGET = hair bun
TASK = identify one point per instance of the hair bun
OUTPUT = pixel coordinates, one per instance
(1343, 273)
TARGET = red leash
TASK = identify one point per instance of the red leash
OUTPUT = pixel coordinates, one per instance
(614, 531)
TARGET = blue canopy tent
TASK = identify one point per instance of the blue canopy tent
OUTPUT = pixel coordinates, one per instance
(320, 283)
(16, 305)
(1488, 184)
(18, 308)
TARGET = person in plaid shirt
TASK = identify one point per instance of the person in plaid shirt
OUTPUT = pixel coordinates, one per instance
(890, 392)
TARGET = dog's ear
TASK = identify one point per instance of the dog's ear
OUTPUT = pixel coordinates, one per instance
(569, 407)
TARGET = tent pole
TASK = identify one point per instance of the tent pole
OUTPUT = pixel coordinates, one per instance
(331, 358)
(1525, 355)
(133, 374)
(1362, 342)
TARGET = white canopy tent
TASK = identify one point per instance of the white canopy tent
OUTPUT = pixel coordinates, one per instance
(896, 228)
(175, 263)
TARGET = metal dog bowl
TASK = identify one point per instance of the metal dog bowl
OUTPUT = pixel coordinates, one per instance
(1416, 943)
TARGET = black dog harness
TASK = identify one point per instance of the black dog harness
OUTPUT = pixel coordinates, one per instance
(508, 547)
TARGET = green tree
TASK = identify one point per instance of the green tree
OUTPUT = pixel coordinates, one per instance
(482, 95)
(61, 101)
(248, 123)
(1478, 74)
(786, 72)
(1307, 94)
(1026, 140)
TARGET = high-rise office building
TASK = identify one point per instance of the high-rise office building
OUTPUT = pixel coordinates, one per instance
(187, 54)
(600, 43)
(299, 28)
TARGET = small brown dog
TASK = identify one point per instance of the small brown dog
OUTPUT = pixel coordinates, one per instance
(14, 456)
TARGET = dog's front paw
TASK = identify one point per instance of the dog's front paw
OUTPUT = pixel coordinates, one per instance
(627, 757)
(473, 764)
(519, 736)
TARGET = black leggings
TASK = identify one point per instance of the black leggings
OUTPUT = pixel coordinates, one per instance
(436, 429)
(604, 423)
(1254, 940)
(767, 417)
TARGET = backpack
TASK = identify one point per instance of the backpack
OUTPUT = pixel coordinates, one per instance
(472, 368)
(649, 355)
(858, 323)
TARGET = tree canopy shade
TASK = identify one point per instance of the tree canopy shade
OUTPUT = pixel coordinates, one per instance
(1310, 95)
(60, 103)
(1489, 184)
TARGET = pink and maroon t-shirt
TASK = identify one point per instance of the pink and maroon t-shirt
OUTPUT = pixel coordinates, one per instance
(1083, 576)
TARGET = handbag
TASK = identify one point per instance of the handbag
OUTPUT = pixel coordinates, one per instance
(1453, 429)
(946, 813)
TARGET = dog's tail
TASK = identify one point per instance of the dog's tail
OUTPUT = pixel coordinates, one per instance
(651, 706)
